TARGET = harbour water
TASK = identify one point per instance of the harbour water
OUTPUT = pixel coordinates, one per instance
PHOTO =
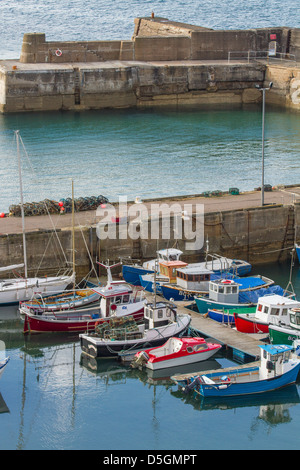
(52, 398)
(49, 397)
(173, 152)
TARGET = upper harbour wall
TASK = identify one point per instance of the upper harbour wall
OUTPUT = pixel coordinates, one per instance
(165, 63)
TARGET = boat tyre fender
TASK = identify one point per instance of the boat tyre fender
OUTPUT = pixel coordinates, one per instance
(58, 53)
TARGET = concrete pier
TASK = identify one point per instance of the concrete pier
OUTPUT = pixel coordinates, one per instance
(164, 64)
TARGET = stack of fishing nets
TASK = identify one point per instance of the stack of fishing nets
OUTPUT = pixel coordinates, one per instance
(48, 206)
(83, 203)
(117, 328)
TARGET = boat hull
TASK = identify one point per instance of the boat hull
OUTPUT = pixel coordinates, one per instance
(250, 324)
(231, 389)
(176, 293)
(21, 291)
(204, 304)
(70, 324)
(182, 361)
(131, 274)
(100, 348)
(227, 315)
(283, 335)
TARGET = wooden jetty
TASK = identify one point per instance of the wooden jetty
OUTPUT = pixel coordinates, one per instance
(224, 334)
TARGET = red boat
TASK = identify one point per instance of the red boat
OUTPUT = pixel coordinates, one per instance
(176, 352)
(270, 309)
(117, 299)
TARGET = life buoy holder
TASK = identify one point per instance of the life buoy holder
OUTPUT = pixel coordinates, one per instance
(58, 52)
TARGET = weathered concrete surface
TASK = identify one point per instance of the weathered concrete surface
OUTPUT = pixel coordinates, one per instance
(236, 226)
(117, 84)
(114, 84)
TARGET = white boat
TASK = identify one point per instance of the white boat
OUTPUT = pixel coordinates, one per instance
(160, 323)
(14, 290)
(3, 365)
(176, 352)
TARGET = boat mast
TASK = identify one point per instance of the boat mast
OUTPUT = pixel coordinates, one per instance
(22, 203)
(73, 234)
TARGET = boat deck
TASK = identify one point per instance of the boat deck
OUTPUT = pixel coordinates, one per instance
(218, 373)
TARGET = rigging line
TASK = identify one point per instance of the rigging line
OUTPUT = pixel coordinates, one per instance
(46, 207)
(88, 251)
(274, 251)
(54, 233)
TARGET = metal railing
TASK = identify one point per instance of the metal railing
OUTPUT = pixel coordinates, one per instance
(260, 55)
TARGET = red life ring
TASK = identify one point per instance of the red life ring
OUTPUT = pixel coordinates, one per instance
(58, 52)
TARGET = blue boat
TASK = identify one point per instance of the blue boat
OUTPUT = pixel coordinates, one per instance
(217, 264)
(276, 370)
(227, 315)
(298, 251)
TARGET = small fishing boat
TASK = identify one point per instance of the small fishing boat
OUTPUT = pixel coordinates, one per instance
(277, 369)
(270, 309)
(175, 352)
(61, 302)
(161, 322)
(3, 365)
(117, 299)
(15, 290)
(286, 334)
(179, 282)
(227, 315)
(235, 293)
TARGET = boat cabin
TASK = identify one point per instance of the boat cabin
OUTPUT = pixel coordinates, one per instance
(191, 278)
(168, 254)
(116, 294)
(170, 268)
(275, 360)
(159, 314)
(274, 309)
(294, 315)
(224, 291)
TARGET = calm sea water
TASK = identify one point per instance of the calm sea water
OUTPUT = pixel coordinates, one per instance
(50, 398)
(146, 153)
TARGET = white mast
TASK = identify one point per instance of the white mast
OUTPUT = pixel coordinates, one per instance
(22, 208)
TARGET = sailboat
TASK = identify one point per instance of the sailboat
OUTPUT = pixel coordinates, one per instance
(14, 290)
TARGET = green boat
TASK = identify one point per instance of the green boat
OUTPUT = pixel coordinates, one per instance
(286, 334)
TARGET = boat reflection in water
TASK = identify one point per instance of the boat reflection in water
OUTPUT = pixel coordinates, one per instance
(273, 406)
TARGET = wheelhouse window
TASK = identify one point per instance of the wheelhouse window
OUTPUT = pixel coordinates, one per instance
(160, 313)
(275, 311)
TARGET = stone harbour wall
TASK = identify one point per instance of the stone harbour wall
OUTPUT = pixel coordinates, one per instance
(164, 64)
(258, 235)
